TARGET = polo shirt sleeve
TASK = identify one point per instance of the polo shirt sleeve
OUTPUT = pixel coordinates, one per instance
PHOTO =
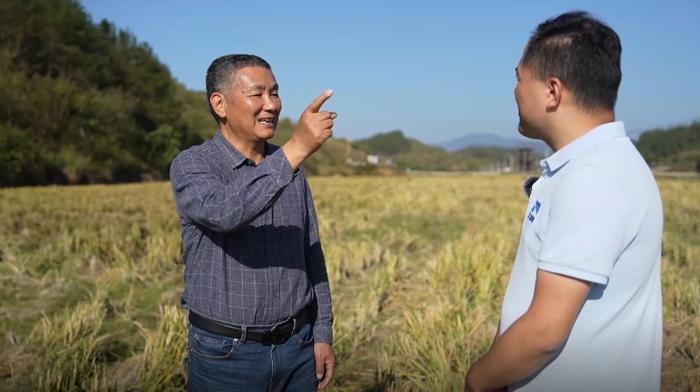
(590, 224)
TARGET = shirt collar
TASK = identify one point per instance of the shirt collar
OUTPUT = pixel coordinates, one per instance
(606, 131)
(236, 157)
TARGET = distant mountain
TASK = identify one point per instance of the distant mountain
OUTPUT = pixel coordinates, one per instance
(407, 153)
(491, 140)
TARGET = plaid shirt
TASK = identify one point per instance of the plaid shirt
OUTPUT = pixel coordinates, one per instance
(250, 238)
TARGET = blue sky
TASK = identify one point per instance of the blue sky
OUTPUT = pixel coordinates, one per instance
(436, 70)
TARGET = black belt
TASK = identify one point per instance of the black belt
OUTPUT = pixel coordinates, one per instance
(278, 334)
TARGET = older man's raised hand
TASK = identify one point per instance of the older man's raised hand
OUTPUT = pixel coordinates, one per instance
(314, 128)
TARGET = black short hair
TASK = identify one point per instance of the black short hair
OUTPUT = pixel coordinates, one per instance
(583, 52)
(221, 73)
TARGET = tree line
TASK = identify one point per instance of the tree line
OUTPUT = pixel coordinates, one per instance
(676, 148)
(84, 102)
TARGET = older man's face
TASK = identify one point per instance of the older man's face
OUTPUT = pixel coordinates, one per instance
(253, 104)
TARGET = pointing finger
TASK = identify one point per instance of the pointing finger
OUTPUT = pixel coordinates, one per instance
(316, 104)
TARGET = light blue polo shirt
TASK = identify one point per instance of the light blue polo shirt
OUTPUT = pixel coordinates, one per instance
(595, 214)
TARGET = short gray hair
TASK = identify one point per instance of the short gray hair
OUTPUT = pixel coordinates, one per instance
(221, 72)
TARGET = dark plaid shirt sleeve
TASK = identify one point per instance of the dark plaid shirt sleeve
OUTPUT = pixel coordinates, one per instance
(203, 198)
(318, 276)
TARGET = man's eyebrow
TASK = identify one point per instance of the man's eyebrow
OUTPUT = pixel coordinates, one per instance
(261, 87)
(516, 71)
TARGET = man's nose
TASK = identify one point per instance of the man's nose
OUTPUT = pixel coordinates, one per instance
(271, 103)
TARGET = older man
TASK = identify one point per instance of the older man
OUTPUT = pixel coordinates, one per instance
(255, 278)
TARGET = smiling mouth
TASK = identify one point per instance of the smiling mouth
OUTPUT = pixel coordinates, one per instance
(267, 121)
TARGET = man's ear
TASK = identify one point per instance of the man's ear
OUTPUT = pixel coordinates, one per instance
(217, 103)
(555, 89)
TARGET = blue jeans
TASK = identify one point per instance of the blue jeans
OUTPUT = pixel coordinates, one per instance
(219, 363)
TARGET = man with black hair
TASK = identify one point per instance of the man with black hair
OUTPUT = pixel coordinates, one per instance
(582, 311)
(255, 277)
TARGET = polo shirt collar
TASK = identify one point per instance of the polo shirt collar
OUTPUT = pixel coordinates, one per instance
(236, 158)
(606, 131)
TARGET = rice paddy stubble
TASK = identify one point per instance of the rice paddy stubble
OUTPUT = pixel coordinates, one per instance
(91, 278)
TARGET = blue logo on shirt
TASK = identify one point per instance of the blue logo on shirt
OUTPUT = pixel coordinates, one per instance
(533, 211)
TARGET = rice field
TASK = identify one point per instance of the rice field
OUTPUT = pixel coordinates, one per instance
(90, 280)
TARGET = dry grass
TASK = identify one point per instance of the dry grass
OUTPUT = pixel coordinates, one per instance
(90, 279)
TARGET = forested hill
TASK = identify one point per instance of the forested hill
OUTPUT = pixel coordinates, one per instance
(676, 148)
(410, 154)
(86, 102)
